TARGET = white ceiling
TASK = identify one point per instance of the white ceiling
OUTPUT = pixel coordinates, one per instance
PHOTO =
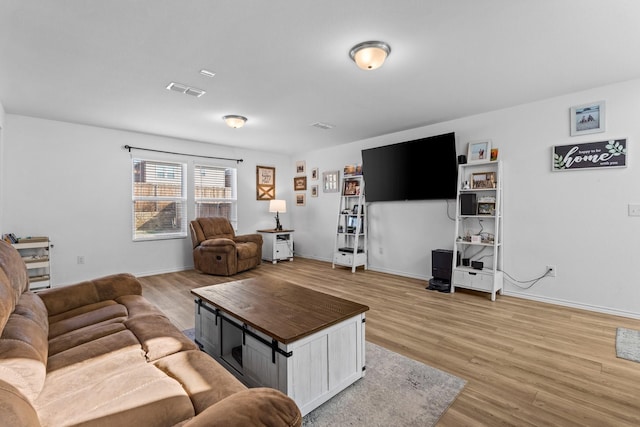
(285, 65)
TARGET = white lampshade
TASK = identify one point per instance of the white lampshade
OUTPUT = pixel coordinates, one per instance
(277, 206)
(370, 55)
(234, 121)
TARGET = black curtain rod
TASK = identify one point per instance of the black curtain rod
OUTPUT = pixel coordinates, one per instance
(129, 147)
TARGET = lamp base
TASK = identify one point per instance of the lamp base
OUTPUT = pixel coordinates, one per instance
(278, 225)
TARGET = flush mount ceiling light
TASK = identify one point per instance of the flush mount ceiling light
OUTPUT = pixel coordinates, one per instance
(234, 121)
(370, 55)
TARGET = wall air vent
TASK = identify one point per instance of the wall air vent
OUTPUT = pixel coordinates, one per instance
(320, 125)
(178, 87)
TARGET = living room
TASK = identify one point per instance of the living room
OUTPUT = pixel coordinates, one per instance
(71, 181)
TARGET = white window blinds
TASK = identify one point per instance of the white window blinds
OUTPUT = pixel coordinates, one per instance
(159, 200)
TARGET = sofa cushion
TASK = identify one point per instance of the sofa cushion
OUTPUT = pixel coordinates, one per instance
(84, 335)
(98, 349)
(126, 395)
(112, 311)
(207, 383)
(158, 336)
(24, 347)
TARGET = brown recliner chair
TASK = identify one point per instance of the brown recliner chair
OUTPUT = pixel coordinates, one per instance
(217, 250)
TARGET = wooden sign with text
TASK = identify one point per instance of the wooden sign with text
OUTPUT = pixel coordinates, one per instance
(602, 154)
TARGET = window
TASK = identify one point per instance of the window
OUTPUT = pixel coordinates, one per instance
(159, 200)
(215, 192)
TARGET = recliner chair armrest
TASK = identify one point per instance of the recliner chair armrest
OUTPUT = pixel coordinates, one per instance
(221, 245)
(246, 238)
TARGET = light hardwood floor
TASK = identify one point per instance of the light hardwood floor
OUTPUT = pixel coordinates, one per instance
(526, 363)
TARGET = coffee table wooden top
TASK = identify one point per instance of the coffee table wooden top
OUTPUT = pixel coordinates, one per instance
(282, 310)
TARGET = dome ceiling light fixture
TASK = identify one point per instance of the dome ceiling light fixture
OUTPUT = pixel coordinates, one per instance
(234, 121)
(370, 55)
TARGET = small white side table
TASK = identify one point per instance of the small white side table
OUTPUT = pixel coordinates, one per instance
(277, 245)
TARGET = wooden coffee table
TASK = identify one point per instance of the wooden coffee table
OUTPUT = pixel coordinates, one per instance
(272, 333)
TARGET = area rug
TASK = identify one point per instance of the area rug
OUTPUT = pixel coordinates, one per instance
(396, 391)
(628, 344)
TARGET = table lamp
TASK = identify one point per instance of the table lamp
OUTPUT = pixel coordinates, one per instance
(278, 206)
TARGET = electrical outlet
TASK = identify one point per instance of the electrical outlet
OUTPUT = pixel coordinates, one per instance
(634, 209)
(552, 271)
(80, 259)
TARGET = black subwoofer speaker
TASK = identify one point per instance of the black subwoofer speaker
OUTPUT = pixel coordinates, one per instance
(468, 204)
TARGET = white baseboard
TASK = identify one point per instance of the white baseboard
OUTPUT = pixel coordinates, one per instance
(565, 303)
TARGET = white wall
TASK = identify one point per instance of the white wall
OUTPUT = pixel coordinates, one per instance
(73, 183)
(575, 220)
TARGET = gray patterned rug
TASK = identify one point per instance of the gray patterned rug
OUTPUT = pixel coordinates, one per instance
(628, 344)
(396, 391)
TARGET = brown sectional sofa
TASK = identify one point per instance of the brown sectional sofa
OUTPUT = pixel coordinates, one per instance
(98, 354)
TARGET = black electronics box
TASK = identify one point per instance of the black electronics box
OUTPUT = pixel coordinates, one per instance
(468, 204)
(441, 264)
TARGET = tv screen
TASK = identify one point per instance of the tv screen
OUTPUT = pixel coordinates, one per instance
(422, 169)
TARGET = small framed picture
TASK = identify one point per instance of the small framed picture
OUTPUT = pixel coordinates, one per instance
(486, 208)
(314, 191)
(483, 180)
(314, 174)
(479, 151)
(265, 183)
(300, 183)
(301, 167)
(587, 118)
(351, 188)
(330, 181)
(300, 199)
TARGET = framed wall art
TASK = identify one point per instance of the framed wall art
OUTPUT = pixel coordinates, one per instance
(300, 183)
(314, 174)
(314, 191)
(330, 181)
(301, 167)
(479, 151)
(587, 118)
(300, 199)
(265, 183)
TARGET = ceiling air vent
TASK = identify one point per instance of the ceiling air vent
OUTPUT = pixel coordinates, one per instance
(178, 87)
(320, 125)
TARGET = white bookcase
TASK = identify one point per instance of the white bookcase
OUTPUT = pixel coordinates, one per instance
(478, 230)
(350, 247)
(35, 253)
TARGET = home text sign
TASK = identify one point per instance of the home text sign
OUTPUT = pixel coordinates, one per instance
(602, 154)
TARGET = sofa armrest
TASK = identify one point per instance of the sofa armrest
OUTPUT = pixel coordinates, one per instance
(15, 408)
(256, 407)
(65, 298)
(246, 238)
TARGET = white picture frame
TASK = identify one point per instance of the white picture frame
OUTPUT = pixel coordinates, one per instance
(479, 151)
(588, 118)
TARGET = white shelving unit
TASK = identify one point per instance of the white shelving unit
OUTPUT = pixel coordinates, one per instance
(36, 255)
(350, 249)
(478, 230)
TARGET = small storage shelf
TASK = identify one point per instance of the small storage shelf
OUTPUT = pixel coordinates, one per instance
(35, 253)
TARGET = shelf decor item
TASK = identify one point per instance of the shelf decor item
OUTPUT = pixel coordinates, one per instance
(479, 151)
(587, 118)
(482, 180)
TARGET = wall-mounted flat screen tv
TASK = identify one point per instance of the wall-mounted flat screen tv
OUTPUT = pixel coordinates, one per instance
(422, 169)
